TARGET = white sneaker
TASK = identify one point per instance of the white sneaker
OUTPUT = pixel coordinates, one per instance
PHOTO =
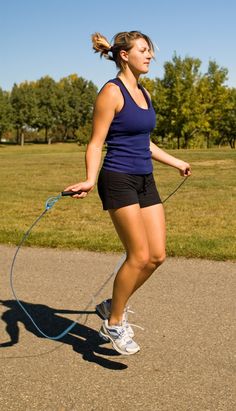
(104, 310)
(119, 338)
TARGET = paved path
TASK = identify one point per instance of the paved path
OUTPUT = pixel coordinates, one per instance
(187, 360)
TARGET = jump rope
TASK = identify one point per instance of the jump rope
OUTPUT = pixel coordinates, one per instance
(51, 201)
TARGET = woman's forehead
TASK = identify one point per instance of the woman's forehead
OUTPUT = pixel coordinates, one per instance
(141, 42)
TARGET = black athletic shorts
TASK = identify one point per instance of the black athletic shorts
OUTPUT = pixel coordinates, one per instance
(118, 190)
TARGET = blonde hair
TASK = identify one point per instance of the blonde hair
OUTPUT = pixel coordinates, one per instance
(121, 41)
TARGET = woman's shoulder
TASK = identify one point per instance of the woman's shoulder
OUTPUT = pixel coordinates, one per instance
(111, 89)
(109, 97)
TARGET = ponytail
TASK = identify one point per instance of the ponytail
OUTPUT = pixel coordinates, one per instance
(101, 45)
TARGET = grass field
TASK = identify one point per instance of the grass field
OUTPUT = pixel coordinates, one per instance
(201, 216)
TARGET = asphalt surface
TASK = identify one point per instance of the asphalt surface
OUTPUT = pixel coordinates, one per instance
(187, 360)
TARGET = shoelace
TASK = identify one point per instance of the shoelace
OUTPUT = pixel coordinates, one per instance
(123, 335)
(125, 318)
(119, 332)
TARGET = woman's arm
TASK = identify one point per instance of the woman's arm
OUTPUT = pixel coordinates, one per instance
(160, 155)
(106, 105)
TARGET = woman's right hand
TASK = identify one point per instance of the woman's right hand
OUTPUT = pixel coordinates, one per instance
(85, 187)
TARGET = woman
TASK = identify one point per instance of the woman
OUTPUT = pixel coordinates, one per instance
(123, 118)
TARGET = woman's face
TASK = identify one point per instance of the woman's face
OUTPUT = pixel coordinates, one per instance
(139, 57)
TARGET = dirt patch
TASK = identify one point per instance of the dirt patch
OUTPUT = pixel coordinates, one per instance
(212, 163)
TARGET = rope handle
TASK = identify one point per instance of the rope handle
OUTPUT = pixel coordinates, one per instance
(70, 193)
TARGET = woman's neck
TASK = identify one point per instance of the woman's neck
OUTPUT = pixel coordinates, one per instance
(129, 79)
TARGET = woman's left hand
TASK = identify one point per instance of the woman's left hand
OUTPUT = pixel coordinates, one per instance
(184, 169)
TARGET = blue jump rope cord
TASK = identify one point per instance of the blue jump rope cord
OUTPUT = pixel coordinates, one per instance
(48, 205)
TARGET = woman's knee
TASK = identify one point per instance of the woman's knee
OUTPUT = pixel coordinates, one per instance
(144, 260)
(139, 260)
(157, 259)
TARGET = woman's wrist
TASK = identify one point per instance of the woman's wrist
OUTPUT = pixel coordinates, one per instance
(178, 163)
(91, 181)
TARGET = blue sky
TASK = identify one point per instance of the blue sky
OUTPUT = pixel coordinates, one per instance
(52, 37)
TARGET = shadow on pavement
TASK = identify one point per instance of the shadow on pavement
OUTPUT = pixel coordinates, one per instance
(84, 340)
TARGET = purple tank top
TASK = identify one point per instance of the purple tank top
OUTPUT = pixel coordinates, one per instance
(128, 138)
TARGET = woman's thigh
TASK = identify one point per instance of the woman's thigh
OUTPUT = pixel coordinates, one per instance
(141, 230)
(130, 227)
(153, 218)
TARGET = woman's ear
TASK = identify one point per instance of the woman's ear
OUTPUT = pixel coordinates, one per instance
(124, 55)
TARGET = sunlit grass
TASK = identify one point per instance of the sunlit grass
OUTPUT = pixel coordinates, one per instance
(201, 216)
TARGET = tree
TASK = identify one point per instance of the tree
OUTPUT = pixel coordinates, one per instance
(190, 106)
(227, 124)
(24, 105)
(5, 113)
(159, 101)
(182, 116)
(193, 109)
(47, 93)
(213, 98)
(75, 104)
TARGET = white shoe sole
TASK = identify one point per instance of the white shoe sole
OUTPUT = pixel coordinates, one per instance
(107, 337)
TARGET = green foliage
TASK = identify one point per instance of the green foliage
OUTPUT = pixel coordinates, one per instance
(5, 112)
(24, 105)
(194, 110)
(46, 92)
(75, 105)
(227, 124)
(61, 110)
(83, 133)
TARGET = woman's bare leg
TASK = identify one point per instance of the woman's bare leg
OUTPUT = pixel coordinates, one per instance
(154, 222)
(137, 230)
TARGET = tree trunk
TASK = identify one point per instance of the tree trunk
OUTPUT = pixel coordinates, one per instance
(65, 134)
(208, 141)
(22, 138)
(185, 141)
(46, 135)
(232, 142)
(17, 135)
